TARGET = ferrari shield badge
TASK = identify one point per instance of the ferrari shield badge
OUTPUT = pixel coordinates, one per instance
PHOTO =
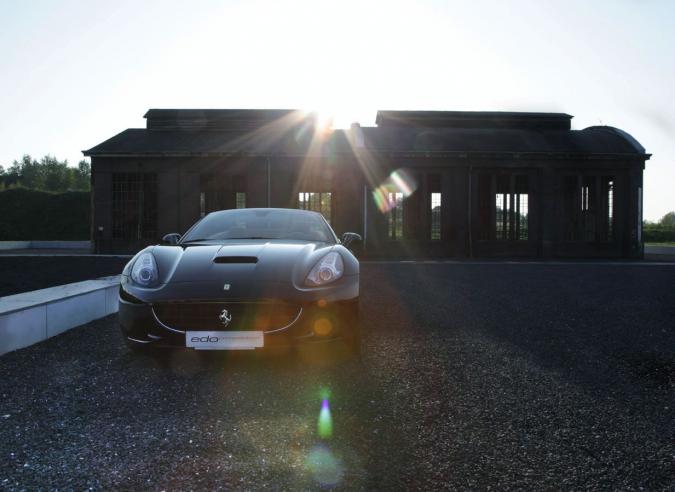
(225, 317)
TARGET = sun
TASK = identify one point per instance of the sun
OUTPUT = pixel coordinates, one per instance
(333, 118)
(324, 120)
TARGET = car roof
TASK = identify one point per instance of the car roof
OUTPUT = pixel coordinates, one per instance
(265, 209)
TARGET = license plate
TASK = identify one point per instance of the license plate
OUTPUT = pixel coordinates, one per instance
(224, 340)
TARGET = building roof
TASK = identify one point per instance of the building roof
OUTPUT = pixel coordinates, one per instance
(474, 119)
(290, 132)
(222, 118)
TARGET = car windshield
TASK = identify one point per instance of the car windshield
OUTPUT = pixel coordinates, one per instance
(261, 224)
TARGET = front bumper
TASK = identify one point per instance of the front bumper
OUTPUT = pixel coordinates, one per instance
(317, 321)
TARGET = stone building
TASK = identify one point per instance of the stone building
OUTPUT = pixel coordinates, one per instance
(418, 184)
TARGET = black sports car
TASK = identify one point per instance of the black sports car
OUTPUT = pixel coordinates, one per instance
(243, 279)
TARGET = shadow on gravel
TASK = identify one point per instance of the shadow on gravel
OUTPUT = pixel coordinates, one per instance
(473, 377)
(656, 367)
(86, 412)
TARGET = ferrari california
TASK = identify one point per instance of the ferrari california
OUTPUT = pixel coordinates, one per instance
(243, 279)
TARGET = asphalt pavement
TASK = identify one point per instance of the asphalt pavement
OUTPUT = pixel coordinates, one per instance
(508, 376)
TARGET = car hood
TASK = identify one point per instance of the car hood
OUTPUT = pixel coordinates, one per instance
(262, 261)
(241, 269)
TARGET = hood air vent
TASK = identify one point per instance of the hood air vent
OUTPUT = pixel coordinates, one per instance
(235, 259)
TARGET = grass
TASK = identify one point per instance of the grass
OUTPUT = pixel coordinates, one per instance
(668, 243)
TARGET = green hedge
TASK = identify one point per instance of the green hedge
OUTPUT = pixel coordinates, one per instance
(39, 215)
(658, 234)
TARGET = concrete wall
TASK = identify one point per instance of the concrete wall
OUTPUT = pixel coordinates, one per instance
(31, 317)
(5, 245)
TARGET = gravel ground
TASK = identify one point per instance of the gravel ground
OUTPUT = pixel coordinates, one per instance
(474, 376)
(26, 273)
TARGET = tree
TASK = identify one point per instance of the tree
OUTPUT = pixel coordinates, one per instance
(49, 174)
(668, 220)
(29, 173)
(55, 173)
(83, 175)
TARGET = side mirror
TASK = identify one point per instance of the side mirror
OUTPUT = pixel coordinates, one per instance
(350, 237)
(172, 238)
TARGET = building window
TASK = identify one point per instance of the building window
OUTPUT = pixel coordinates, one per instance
(588, 203)
(435, 216)
(434, 194)
(608, 197)
(240, 199)
(522, 216)
(485, 208)
(210, 193)
(395, 216)
(317, 202)
(502, 208)
(639, 224)
(134, 206)
(219, 191)
(588, 208)
(239, 188)
(520, 200)
(511, 208)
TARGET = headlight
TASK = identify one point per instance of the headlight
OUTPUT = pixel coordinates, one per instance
(144, 271)
(328, 269)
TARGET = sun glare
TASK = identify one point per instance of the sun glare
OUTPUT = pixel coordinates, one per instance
(327, 119)
(324, 120)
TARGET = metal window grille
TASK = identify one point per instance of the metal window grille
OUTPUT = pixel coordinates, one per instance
(511, 205)
(522, 216)
(239, 187)
(435, 216)
(500, 215)
(240, 199)
(317, 202)
(521, 203)
(395, 216)
(134, 205)
(211, 196)
(609, 207)
(588, 208)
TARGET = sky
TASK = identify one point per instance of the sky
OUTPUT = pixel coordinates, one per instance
(75, 73)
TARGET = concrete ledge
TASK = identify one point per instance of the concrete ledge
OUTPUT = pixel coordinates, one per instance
(45, 245)
(31, 317)
(14, 244)
(660, 250)
(660, 253)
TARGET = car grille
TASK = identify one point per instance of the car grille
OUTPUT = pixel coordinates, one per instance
(205, 316)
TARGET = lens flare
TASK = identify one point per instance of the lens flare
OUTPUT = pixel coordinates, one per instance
(323, 326)
(325, 423)
(326, 468)
(399, 183)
